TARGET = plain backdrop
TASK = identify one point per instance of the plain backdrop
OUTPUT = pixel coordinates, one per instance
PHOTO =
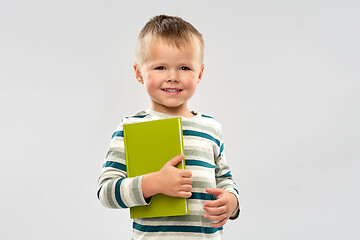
(281, 76)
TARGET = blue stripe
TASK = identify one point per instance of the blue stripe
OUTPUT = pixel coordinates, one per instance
(115, 165)
(228, 174)
(117, 193)
(118, 134)
(141, 116)
(202, 196)
(201, 134)
(221, 149)
(137, 116)
(236, 191)
(189, 162)
(207, 116)
(172, 228)
(98, 193)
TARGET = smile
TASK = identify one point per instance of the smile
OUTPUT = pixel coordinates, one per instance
(171, 90)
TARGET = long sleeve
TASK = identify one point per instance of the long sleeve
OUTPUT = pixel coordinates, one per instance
(115, 189)
(223, 175)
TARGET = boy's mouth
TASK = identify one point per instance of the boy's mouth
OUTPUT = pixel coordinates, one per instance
(171, 90)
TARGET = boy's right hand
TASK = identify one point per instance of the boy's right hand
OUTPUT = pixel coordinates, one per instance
(169, 180)
(175, 182)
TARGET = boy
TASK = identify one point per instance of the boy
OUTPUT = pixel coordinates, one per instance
(169, 63)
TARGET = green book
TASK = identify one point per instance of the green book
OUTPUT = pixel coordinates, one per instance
(148, 146)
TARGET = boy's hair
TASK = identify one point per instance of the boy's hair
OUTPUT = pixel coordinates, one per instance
(174, 30)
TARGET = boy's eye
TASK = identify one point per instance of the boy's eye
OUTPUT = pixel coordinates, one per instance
(160, 68)
(184, 68)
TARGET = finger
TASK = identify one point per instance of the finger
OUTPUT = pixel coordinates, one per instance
(215, 191)
(186, 181)
(186, 188)
(215, 217)
(219, 224)
(176, 160)
(186, 173)
(216, 203)
(215, 210)
(184, 194)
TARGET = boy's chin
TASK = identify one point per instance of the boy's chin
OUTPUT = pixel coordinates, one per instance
(171, 107)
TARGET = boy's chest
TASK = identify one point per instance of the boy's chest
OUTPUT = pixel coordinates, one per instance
(200, 151)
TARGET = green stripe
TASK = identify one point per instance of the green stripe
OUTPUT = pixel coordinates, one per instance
(198, 153)
(203, 184)
(200, 126)
(172, 228)
(135, 190)
(220, 171)
(225, 184)
(109, 193)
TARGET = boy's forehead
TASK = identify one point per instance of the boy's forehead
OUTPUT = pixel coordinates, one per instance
(179, 43)
(152, 44)
(156, 47)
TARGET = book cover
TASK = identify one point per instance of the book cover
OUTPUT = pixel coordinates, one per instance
(148, 146)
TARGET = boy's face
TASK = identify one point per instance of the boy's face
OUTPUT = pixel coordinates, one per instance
(170, 75)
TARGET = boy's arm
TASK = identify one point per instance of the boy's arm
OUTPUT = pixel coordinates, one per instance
(115, 190)
(227, 204)
(224, 180)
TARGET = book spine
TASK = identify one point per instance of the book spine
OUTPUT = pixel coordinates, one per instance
(183, 161)
(181, 142)
(127, 163)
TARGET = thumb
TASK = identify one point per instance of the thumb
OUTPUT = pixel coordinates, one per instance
(175, 160)
(214, 191)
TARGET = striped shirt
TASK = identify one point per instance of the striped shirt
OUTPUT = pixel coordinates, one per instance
(204, 157)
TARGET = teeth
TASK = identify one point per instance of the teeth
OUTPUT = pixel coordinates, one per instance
(172, 90)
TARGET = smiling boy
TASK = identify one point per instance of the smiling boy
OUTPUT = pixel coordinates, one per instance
(169, 63)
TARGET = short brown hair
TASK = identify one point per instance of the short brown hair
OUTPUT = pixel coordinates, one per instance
(174, 30)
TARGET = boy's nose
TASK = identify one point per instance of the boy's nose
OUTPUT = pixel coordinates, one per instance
(172, 80)
(172, 77)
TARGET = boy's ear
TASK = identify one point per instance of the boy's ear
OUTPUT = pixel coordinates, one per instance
(201, 73)
(138, 74)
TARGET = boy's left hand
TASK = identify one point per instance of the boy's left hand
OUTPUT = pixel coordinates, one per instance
(220, 209)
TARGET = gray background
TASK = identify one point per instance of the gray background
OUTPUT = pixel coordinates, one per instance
(281, 76)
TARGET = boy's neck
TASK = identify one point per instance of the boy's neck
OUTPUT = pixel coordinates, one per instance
(173, 111)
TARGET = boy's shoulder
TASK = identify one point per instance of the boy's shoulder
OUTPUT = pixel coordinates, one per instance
(138, 117)
(207, 122)
(208, 119)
